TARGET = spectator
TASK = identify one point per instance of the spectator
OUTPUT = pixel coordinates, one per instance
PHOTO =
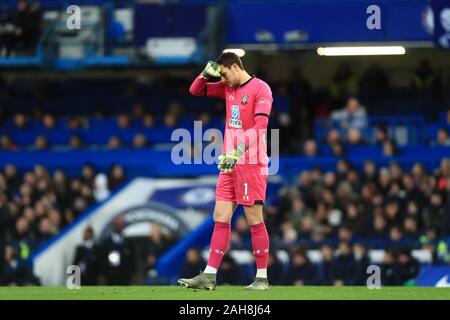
(48, 121)
(326, 267)
(194, 263)
(442, 138)
(123, 121)
(443, 173)
(310, 148)
(352, 116)
(345, 267)
(140, 141)
(88, 175)
(307, 226)
(408, 267)
(45, 230)
(86, 257)
(381, 135)
(433, 214)
(338, 149)
(395, 172)
(16, 271)
(389, 149)
(396, 238)
(6, 143)
(75, 142)
(427, 86)
(148, 120)
(345, 234)
(374, 83)
(389, 270)
(170, 120)
(114, 143)
(393, 214)
(24, 33)
(301, 271)
(370, 171)
(41, 143)
(362, 263)
(275, 272)
(354, 137)
(418, 172)
(116, 176)
(342, 167)
(333, 137)
(446, 218)
(410, 228)
(20, 121)
(101, 191)
(296, 212)
(344, 83)
(240, 236)
(28, 26)
(157, 243)
(356, 219)
(69, 216)
(288, 233)
(77, 122)
(116, 257)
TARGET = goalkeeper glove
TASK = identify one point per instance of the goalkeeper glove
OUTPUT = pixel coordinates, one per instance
(212, 69)
(229, 160)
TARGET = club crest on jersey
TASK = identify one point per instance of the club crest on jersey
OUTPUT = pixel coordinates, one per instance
(235, 114)
(244, 99)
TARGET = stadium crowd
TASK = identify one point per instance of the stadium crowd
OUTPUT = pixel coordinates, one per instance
(20, 30)
(35, 206)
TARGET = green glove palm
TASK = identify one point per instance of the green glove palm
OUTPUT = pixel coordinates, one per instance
(212, 69)
(229, 160)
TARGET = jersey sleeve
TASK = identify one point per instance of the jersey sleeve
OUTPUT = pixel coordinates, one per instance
(201, 87)
(263, 101)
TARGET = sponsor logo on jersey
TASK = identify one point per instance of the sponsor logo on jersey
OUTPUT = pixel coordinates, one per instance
(263, 101)
(235, 114)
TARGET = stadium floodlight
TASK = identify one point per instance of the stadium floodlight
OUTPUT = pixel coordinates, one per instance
(238, 51)
(361, 51)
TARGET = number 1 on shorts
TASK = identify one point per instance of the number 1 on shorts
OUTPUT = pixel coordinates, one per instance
(245, 191)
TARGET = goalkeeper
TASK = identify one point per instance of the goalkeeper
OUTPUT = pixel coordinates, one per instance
(243, 164)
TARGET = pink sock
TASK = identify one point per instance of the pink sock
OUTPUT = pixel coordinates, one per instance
(260, 243)
(219, 243)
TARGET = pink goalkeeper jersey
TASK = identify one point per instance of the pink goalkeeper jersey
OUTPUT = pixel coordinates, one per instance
(248, 109)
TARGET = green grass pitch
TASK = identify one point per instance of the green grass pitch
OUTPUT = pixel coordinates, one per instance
(222, 293)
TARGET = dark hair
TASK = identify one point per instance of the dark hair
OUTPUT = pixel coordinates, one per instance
(228, 59)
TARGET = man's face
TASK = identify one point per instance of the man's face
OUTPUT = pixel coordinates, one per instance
(352, 105)
(230, 75)
(88, 235)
